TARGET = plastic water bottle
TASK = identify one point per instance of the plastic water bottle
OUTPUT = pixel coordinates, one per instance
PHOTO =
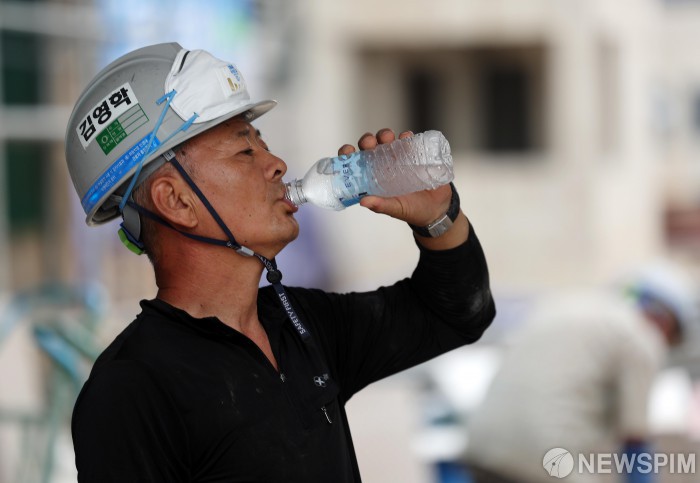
(420, 162)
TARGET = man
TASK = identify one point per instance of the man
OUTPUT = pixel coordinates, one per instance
(577, 375)
(217, 380)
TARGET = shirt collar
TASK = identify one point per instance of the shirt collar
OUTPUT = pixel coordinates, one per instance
(271, 315)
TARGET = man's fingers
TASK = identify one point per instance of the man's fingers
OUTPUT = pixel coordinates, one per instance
(385, 136)
(370, 141)
(367, 141)
(346, 149)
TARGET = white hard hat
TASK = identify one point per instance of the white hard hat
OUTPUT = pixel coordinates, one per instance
(140, 106)
(672, 286)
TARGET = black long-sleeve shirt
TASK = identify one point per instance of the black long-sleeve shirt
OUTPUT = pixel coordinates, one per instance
(179, 399)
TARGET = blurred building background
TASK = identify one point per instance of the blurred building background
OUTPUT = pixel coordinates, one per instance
(574, 124)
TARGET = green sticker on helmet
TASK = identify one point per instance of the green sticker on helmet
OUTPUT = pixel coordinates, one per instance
(121, 127)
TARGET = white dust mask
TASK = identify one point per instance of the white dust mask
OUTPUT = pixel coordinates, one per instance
(206, 86)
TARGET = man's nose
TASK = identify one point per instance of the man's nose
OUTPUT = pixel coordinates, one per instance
(276, 167)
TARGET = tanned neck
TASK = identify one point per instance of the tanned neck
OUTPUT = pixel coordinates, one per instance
(204, 283)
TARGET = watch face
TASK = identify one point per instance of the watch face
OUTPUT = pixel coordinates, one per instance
(440, 226)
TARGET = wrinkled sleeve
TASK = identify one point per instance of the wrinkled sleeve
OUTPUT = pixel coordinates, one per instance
(445, 304)
(125, 428)
(453, 286)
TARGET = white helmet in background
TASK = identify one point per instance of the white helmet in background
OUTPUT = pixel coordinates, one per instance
(139, 107)
(672, 286)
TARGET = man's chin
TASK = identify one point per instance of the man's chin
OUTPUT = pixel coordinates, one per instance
(291, 238)
(273, 252)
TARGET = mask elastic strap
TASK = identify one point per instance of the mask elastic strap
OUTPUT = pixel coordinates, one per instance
(167, 98)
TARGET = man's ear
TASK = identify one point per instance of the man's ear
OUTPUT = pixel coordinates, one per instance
(174, 201)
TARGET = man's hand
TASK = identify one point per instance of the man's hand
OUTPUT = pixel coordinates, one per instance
(419, 208)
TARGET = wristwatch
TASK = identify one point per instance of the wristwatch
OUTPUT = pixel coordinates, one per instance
(439, 226)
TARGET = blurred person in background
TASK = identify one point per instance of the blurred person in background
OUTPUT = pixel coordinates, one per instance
(216, 379)
(577, 375)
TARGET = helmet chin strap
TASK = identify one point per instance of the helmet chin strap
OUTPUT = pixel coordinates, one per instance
(232, 243)
(132, 228)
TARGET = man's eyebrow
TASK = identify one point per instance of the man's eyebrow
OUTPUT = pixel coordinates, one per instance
(243, 133)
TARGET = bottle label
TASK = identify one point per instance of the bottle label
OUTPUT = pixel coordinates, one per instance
(350, 182)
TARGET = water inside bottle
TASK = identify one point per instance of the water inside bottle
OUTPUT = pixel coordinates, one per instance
(439, 162)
